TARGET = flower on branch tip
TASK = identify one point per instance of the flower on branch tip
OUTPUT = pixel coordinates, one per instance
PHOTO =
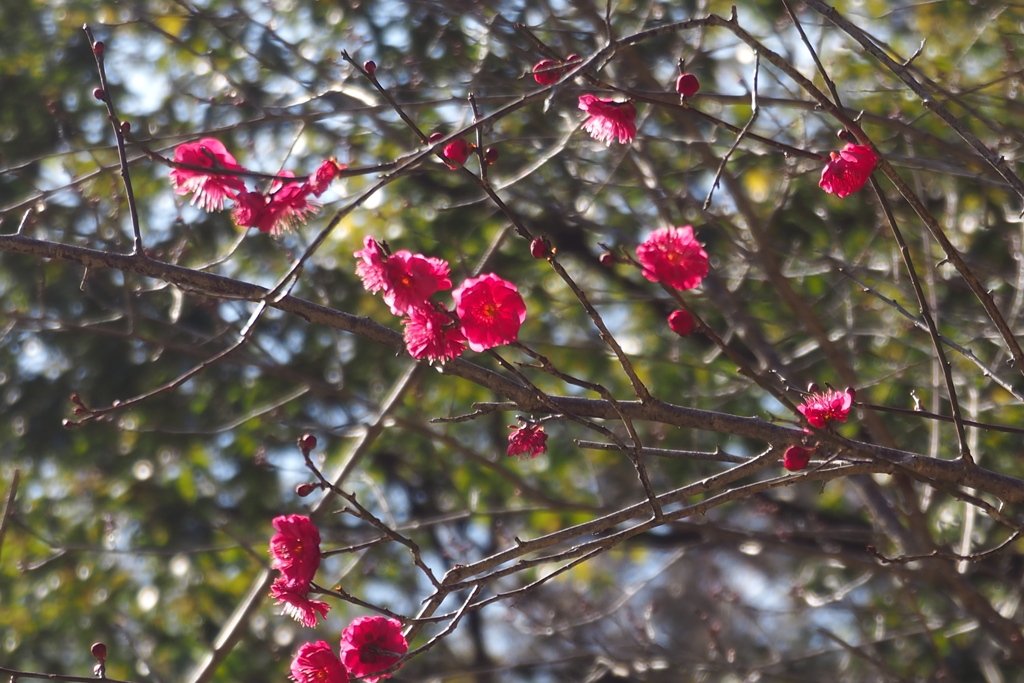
(673, 256)
(210, 190)
(546, 71)
(456, 152)
(827, 406)
(539, 247)
(491, 311)
(295, 549)
(609, 119)
(529, 440)
(433, 334)
(296, 602)
(687, 85)
(370, 645)
(317, 663)
(796, 458)
(848, 170)
(681, 322)
(406, 279)
(276, 212)
(323, 176)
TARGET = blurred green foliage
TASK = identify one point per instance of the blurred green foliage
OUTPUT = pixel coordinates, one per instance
(145, 530)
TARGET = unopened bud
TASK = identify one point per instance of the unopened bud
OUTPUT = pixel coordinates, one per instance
(687, 85)
(370, 67)
(607, 259)
(681, 322)
(99, 651)
(539, 248)
(126, 127)
(490, 156)
(99, 94)
(812, 388)
(307, 442)
(303, 490)
(546, 72)
(456, 152)
(852, 392)
(435, 136)
(796, 458)
(97, 48)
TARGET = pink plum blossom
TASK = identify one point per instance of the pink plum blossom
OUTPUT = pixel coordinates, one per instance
(528, 440)
(372, 644)
(296, 602)
(282, 209)
(433, 334)
(491, 311)
(210, 190)
(820, 408)
(317, 663)
(673, 256)
(848, 170)
(608, 119)
(295, 548)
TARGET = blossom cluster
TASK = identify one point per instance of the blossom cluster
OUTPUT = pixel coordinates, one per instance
(819, 408)
(488, 310)
(295, 552)
(369, 646)
(282, 206)
(846, 172)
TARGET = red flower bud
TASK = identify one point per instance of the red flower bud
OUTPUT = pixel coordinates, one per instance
(435, 136)
(97, 48)
(456, 152)
(681, 322)
(99, 650)
(99, 94)
(307, 442)
(490, 156)
(539, 248)
(370, 67)
(687, 85)
(303, 490)
(546, 72)
(126, 127)
(607, 259)
(796, 458)
(572, 58)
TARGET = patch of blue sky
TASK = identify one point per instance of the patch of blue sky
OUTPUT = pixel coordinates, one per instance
(133, 62)
(273, 346)
(54, 178)
(37, 358)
